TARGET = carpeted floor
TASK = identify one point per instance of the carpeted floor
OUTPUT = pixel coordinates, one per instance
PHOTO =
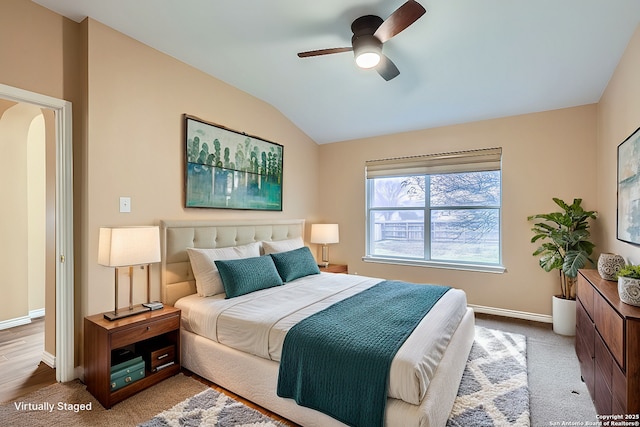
(29, 411)
(556, 393)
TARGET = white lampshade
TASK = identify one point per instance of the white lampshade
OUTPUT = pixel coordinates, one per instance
(127, 246)
(324, 233)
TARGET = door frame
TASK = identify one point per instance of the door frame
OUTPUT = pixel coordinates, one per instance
(64, 357)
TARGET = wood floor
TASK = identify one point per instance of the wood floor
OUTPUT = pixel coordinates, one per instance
(21, 369)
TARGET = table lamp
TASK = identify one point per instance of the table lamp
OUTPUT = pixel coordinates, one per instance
(324, 234)
(128, 247)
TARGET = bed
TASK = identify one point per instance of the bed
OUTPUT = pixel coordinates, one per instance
(425, 373)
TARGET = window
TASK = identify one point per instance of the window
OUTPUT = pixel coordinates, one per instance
(441, 210)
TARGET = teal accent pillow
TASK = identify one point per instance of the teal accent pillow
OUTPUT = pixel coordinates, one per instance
(294, 264)
(243, 276)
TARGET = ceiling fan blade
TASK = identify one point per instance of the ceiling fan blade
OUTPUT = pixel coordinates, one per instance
(387, 69)
(324, 52)
(399, 20)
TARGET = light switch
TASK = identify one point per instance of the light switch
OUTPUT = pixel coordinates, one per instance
(125, 204)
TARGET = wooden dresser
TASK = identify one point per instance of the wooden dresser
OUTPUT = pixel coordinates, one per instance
(608, 345)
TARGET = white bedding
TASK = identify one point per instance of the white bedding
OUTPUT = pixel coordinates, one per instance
(257, 323)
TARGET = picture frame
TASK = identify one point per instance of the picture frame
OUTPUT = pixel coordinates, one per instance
(227, 169)
(628, 211)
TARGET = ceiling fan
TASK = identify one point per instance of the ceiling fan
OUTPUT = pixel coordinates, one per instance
(370, 32)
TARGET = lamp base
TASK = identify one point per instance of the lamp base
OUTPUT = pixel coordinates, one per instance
(325, 256)
(125, 312)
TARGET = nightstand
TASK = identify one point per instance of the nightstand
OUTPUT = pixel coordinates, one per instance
(142, 333)
(335, 268)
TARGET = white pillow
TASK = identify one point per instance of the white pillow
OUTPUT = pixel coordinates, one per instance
(282, 245)
(208, 280)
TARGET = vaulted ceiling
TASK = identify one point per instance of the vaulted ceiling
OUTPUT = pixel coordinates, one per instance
(464, 60)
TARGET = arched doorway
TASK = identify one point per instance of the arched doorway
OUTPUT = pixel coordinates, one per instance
(64, 294)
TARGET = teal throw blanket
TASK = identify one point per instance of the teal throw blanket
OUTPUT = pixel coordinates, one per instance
(337, 361)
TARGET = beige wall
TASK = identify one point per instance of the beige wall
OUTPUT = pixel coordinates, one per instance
(22, 172)
(136, 97)
(36, 212)
(618, 117)
(14, 126)
(27, 252)
(545, 155)
(41, 55)
(43, 58)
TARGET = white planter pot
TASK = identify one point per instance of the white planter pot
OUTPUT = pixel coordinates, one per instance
(629, 290)
(564, 316)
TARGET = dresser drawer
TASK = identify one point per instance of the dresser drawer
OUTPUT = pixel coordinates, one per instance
(585, 294)
(611, 327)
(145, 331)
(584, 326)
(585, 336)
(604, 361)
(619, 389)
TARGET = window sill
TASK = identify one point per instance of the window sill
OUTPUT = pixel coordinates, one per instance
(481, 268)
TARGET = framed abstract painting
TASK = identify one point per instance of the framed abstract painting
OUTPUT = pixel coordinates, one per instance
(226, 169)
(628, 224)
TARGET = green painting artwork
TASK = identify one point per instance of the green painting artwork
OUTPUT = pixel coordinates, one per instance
(629, 189)
(226, 169)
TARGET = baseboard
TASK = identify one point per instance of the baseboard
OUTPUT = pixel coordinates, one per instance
(34, 314)
(22, 320)
(17, 321)
(535, 317)
(49, 359)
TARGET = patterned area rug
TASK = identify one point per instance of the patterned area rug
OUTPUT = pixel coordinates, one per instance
(494, 389)
(210, 408)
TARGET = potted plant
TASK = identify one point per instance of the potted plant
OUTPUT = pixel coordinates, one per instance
(565, 246)
(629, 284)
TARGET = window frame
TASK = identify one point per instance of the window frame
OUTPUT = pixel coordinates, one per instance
(410, 165)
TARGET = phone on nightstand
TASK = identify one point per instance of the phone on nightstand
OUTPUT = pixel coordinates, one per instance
(155, 305)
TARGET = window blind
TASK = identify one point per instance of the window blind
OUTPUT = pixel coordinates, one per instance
(488, 159)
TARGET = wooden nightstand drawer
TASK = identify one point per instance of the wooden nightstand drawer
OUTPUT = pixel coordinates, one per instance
(157, 353)
(141, 332)
(162, 357)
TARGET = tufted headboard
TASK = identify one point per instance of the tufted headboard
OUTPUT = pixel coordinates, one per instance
(177, 278)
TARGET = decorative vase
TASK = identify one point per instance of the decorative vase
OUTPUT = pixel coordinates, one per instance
(629, 290)
(609, 265)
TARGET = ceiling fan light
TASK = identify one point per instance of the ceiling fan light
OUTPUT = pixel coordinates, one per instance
(368, 59)
(367, 50)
